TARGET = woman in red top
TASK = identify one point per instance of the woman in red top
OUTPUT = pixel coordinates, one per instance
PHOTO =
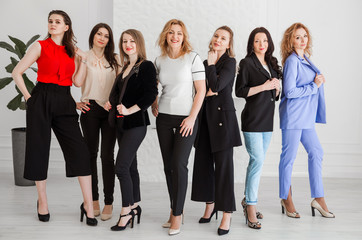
(51, 106)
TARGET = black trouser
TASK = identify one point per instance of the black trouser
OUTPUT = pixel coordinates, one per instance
(209, 184)
(175, 151)
(52, 107)
(126, 164)
(94, 121)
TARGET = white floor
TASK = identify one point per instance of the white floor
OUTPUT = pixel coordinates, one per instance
(18, 218)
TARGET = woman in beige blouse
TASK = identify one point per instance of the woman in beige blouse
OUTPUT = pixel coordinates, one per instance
(102, 68)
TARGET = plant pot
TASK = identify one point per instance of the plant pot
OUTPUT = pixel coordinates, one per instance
(18, 136)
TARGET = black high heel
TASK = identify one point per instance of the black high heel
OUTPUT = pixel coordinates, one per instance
(253, 225)
(207, 220)
(138, 214)
(130, 221)
(42, 217)
(90, 221)
(221, 231)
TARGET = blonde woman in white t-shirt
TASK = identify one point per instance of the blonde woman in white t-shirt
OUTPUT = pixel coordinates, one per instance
(182, 77)
(102, 68)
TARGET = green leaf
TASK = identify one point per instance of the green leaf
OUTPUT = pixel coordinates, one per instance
(9, 68)
(15, 102)
(20, 44)
(34, 69)
(32, 40)
(29, 84)
(14, 61)
(7, 46)
(22, 105)
(5, 81)
(18, 52)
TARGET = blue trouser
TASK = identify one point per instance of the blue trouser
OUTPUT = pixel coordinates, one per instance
(290, 143)
(256, 144)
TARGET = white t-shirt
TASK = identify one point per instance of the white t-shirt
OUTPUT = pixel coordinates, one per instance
(176, 77)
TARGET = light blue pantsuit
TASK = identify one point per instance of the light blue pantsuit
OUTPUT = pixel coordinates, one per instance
(290, 142)
(302, 105)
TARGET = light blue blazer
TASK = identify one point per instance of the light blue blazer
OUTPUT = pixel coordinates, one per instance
(302, 102)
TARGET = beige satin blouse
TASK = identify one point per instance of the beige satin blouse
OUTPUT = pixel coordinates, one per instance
(99, 80)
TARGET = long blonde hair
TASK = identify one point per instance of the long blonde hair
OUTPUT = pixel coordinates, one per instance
(162, 39)
(140, 46)
(287, 48)
(230, 50)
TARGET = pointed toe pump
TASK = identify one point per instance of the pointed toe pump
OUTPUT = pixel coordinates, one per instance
(90, 221)
(42, 217)
(166, 225)
(207, 220)
(315, 205)
(221, 231)
(129, 222)
(289, 214)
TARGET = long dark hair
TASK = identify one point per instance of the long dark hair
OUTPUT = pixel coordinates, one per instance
(109, 49)
(269, 58)
(68, 40)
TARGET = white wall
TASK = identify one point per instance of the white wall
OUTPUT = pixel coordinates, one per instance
(335, 28)
(334, 25)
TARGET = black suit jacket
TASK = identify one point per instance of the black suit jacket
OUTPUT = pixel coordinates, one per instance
(258, 112)
(219, 109)
(141, 89)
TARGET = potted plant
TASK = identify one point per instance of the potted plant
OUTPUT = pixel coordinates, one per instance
(18, 102)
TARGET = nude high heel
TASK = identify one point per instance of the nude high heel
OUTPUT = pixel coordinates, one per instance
(289, 214)
(315, 205)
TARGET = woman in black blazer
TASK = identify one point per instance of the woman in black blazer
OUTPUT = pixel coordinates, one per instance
(218, 133)
(258, 83)
(134, 91)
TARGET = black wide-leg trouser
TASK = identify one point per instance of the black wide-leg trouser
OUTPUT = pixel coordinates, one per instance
(52, 107)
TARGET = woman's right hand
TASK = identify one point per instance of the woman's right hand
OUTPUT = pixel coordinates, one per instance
(107, 106)
(82, 106)
(154, 108)
(319, 79)
(210, 93)
(271, 84)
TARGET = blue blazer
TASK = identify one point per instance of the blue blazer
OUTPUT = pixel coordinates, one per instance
(302, 103)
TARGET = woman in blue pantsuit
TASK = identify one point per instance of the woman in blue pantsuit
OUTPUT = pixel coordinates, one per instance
(302, 105)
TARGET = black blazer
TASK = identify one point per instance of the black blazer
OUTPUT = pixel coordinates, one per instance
(219, 109)
(258, 112)
(141, 89)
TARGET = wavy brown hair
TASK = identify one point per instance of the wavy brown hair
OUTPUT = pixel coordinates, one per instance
(109, 49)
(140, 47)
(68, 40)
(269, 58)
(162, 39)
(287, 48)
(230, 50)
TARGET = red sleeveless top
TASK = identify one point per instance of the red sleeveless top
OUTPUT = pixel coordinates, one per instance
(54, 65)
